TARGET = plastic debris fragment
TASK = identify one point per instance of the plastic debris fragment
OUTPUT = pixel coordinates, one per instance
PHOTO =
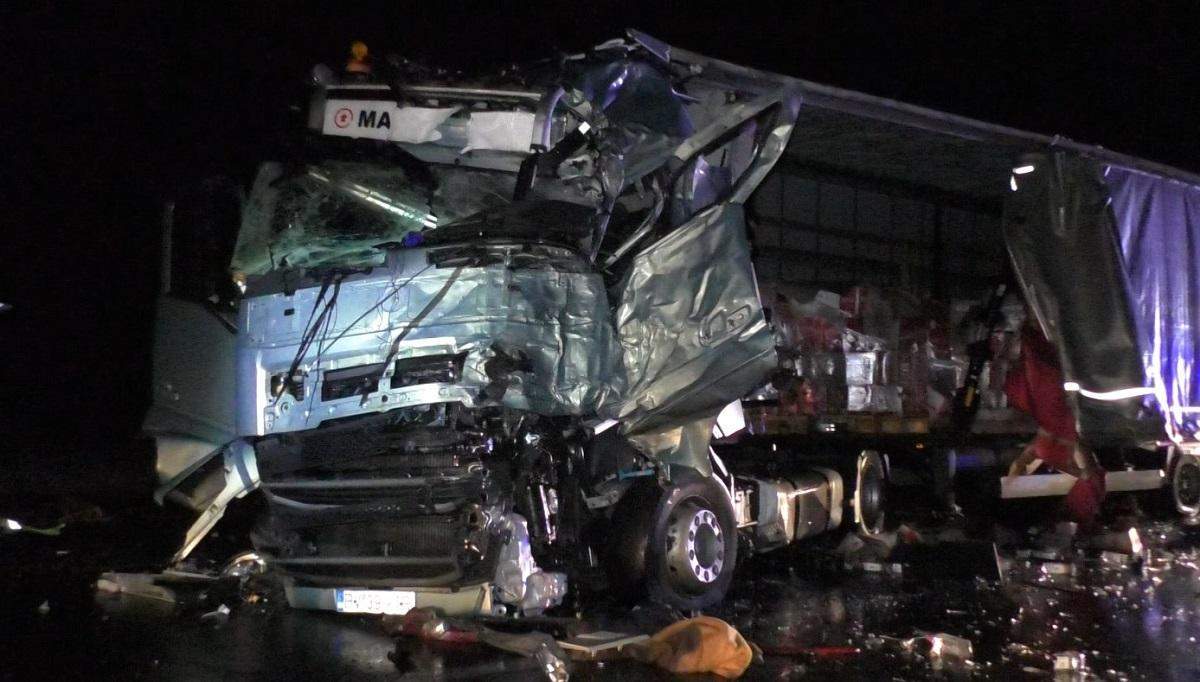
(218, 616)
(1069, 665)
(134, 584)
(945, 652)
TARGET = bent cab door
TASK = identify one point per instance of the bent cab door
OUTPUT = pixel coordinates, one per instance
(691, 326)
(192, 405)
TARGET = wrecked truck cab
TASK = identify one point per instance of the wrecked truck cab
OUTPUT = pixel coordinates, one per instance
(484, 332)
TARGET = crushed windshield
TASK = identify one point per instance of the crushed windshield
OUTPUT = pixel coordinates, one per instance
(337, 213)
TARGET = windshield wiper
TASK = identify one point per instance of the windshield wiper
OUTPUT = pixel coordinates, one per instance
(395, 347)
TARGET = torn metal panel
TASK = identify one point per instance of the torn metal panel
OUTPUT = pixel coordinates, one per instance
(686, 444)
(690, 324)
(744, 142)
(1062, 239)
(689, 317)
(189, 471)
(636, 94)
(241, 477)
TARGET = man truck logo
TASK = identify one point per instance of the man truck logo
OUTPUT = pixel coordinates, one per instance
(367, 119)
(364, 119)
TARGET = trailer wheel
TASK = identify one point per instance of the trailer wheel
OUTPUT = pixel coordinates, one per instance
(676, 545)
(1184, 485)
(870, 494)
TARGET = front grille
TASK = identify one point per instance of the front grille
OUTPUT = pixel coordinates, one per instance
(367, 502)
(432, 536)
(373, 446)
(419, 495)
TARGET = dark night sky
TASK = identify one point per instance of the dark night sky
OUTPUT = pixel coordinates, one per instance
(114, 109)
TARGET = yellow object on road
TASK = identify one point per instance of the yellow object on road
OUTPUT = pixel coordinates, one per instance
(697, 645)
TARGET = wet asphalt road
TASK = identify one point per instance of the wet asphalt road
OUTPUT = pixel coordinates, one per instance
(813, 616)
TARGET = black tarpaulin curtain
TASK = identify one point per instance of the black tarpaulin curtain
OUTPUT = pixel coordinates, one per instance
(1061, 236)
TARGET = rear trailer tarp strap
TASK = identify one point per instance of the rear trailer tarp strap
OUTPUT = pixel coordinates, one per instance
(1158, 225)
(1062, 239)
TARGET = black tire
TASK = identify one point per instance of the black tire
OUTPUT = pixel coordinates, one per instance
(623, 548)
(1183, 485)
(677, 546)
(869, 500)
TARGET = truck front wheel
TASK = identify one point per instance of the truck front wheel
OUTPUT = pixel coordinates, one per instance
(678, 542)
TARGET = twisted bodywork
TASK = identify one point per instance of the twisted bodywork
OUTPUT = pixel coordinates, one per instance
(474, 312)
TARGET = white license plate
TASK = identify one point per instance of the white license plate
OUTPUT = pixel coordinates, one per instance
(394, 602)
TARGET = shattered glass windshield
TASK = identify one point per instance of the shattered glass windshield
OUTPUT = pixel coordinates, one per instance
(338, 213)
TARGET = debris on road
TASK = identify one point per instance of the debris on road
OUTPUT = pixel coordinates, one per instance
(945, 652)
(1128, 543)
(1057, 568)
(217, 617)
(1069, 665)
(136, 585)
(244, 565)
(817, 652)
(591, 646)
(809, 622)
(8, 526)
(429, 626)
(540, 646)
(697, 645)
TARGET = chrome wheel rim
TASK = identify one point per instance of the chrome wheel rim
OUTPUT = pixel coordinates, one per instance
(695, 547)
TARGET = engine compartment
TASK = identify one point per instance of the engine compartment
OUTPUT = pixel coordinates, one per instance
(436, 497)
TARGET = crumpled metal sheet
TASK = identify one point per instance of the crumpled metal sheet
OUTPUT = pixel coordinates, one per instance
(638, 94)
(690, 333)
(519, 580)
(1158, 222)
(1062, 240)
(689, 318)
(763, 127)
(686, 444)
(559, 320)
(690, 324)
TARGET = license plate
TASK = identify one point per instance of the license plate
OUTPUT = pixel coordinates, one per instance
(394, 602)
